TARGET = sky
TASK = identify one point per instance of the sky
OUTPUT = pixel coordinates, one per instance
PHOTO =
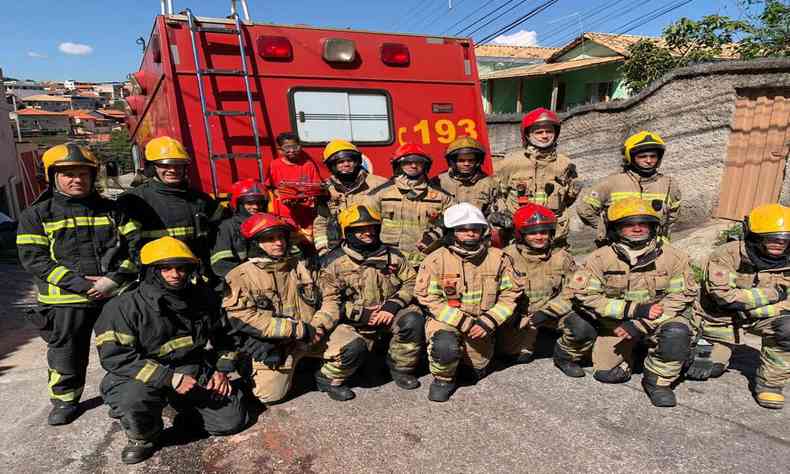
(94, 40)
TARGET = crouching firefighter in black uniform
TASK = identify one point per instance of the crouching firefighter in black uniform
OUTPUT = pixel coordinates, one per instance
(69, 240)
(152, 342)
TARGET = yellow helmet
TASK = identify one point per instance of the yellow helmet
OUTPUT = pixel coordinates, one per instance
(167, 151)
(357, 216)
(769, 220)
(632, 209)
(167, 250)
(641, 141)
(467, 144)
(65, 156)
(340, 148)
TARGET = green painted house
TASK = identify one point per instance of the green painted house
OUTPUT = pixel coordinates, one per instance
(586, 70)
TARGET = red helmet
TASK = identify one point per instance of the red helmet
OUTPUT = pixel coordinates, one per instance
(246, 189)
(262, 223)
(410, 150)
(540, 116)
(533, 218)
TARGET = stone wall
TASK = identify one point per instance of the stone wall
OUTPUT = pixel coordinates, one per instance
(691, 108)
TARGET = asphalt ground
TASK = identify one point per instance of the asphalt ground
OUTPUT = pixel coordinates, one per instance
(527, 418)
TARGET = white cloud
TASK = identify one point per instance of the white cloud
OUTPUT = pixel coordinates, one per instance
(519, 38)
(36, 55)
(75, 48)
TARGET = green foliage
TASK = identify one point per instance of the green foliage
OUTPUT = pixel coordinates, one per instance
(735, 232)
(708, 39)
(119, 148)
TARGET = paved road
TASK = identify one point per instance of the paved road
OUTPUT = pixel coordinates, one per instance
(521, 419)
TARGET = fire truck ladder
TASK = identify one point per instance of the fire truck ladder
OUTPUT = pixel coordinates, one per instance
(195, 28)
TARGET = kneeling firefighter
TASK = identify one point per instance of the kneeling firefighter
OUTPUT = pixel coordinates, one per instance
(271, 299)
(153, 342)
(632, 289)
(370, 287)
(469, 289)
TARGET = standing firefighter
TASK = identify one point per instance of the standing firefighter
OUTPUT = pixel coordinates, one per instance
(465, 179)
(634, 288)
(152, 343)
(370, 287)
(69, 240)
(538, 174)
(469, 290)
(642, 155)
(165, 205)
(410, 205)
(230, 249)
(745, 286)
(542, 272)
(348, 186)
(272, 301)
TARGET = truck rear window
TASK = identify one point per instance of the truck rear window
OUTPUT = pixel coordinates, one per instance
(361, 116)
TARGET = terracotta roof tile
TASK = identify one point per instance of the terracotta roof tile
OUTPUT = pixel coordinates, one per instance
(549, 68)
(519, 52)
(617, 43)
(39, 112)
(46, 98)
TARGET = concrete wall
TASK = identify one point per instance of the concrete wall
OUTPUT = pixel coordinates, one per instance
(691, 109)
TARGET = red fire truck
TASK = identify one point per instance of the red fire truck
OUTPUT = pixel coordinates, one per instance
(227, 87)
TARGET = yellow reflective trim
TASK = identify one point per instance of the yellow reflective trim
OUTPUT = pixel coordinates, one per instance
(677, 284)
(594, 202)
(129, 227)
(766, 311)
(188, 231)
(228, 356)
(614, 309)
(434, 288)
(506, 283)
(222, 254)
(54, 378)
(594, 284)
(144, 375)
(32, 239)
(639, 296)
(536, 295)
(128, 265)
(449, 315)
(400, 223)
(117, 337)
(175, 344)
(57, 274)
(501, 312)
(472, 298)
(74, 222)
(321, 241)
(56, 296)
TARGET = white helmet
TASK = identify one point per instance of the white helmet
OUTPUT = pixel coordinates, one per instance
(462, 215)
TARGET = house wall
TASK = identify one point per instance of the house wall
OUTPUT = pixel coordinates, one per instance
(588, 49)
(691, 109)
(9, 204)
(44, 123)
(576, 83)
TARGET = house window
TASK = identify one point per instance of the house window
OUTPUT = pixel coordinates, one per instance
(360, 116)
(599, 91)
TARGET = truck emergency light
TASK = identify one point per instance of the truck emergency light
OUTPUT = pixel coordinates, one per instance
(339, 50)
(395, 54)
(275, 48)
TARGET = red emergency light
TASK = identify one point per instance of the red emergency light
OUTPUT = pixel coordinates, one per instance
(395, 54)
(276, 48)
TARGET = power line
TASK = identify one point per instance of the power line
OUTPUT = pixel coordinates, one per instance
(589, 19)
(408, 15)
(648, 17)
(535, 11)
(467, 17)
(591, 26)
(425, 20)
(464, 29)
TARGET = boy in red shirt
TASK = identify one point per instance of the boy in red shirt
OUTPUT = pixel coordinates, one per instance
(295, 181)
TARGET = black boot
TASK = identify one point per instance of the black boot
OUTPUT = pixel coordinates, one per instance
(564, 362)
(63, 414)
(660, 396)
(404, 380)
(340, 393)
(441, 390)
(137, 451)
(615, 375)
(516, 359)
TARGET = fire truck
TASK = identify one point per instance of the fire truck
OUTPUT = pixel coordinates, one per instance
(226, 87)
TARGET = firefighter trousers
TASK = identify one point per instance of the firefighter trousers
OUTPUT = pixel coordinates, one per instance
(342, 351)
(517, 336)
(774, 370)
(67, 332)
(408, 338)
(668, 345)
(140, 406)
(448, 347)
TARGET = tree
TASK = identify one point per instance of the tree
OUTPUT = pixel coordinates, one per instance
(118, 148)
(711, 38)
